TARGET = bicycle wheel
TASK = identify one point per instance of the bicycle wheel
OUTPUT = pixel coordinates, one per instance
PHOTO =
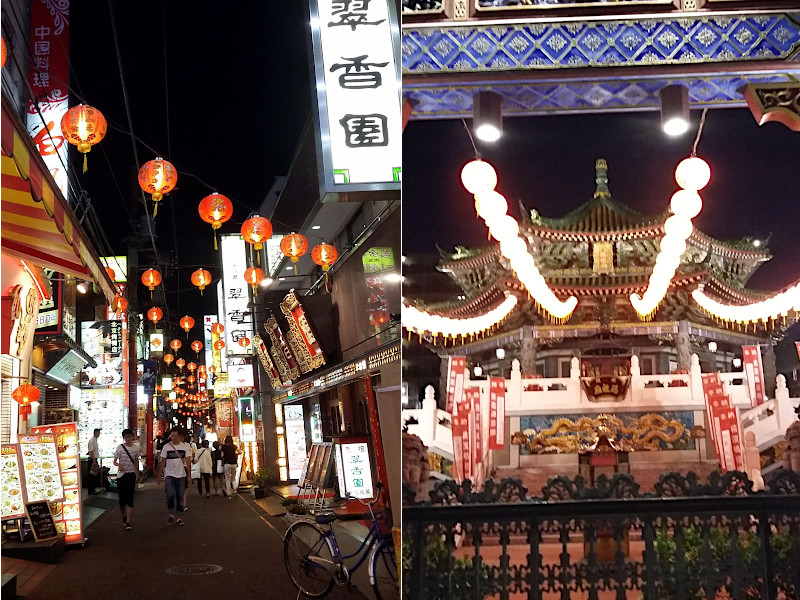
(383, 573)
(306, 552)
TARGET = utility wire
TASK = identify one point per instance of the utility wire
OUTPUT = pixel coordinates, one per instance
(471, 139)
(699, 131)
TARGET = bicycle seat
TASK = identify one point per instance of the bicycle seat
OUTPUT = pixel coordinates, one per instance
(326, 518)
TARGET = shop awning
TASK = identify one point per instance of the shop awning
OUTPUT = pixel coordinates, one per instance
(38, 224)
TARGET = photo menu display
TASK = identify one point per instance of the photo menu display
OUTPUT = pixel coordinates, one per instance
(13, 504)
(67, 514)
(40, 468)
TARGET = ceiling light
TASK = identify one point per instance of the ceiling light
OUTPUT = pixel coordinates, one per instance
(83, 287)
(674, 110)
(737, 362)
(477, 370)
(712, 346)
(289, 268)
(315, 227)
(266, 281)
(487, 116)
(500, 353)
(393, 277)
(281, 278)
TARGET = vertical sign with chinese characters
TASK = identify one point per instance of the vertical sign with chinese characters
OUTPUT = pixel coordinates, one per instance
(358, 93)
(353, 467)
(723, 420)
(497, 413)
(455, 380)
(238, 319)
(477, 426)
(754, 369)
(48, 78)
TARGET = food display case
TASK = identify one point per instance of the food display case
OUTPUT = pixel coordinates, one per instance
(67, 514)
(13, 498)
(40, 468)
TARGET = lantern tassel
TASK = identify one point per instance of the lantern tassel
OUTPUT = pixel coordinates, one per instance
(155, 209)
(85, 164)
(215, 246)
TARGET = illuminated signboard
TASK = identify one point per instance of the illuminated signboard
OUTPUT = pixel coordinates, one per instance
(353, 467)
(120, 266)
(247, 428)
(295, 438)
(102, 340)
(48, 321)
(66, 368)
(238, 319)
(208, 343)
(156, 344)
(240, 376)
(358, 94)
(221, 387)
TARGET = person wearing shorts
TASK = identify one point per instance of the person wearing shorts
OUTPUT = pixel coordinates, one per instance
(126, 459)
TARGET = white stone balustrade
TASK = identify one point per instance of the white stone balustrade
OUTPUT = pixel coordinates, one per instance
(564, 395)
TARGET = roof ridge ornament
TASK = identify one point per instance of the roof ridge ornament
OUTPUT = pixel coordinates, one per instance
(601, 178)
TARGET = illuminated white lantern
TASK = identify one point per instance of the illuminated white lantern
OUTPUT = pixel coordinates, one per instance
(490, 204)
(693, 173)
(674, 246)
(503, 227)
(513, 247)
(478, 176)
(686, 203)
(678, 227)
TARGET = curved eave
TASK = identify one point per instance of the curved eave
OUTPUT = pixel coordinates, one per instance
(487, 300)
(489, 255)
(722, 292)
(652, 231)
(705, 241)
(616, 290)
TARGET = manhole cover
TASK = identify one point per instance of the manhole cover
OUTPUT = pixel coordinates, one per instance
(194, 570)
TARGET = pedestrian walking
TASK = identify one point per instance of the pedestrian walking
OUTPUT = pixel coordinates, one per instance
(205, 465)
(186, 436)
(174, 469)
(229, 454)
(126, 459)
(94, 462)
(217, 475)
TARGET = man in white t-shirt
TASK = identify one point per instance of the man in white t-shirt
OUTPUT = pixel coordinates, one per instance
(175, 470)
(94, 462)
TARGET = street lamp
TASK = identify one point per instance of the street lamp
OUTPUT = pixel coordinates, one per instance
(487, 116)
(674, 110)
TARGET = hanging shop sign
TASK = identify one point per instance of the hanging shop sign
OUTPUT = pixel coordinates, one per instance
(67, 366)
(12, 500)
(240, 376)
(119, 264)
(67, 514)
(238, 318)
(456, 369)
(754, 368)
(208, 341)
(102, 340)
(497, 413)
(353, 467)
(378, 262)
(156, 346)
(280, 352)
(222, 388)
(224, 412)
(266, 361)
(48, 321)
(359, 120)
(306, 345)
(20, 309)
(48, 77)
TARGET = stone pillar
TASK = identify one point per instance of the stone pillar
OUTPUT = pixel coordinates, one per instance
(682, 345)
(770, 370)
(442, 395)
(528, 356)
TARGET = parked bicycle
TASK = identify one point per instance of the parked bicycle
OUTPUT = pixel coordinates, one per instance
(315, 563)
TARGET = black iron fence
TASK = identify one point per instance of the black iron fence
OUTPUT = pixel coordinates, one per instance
(683, 541)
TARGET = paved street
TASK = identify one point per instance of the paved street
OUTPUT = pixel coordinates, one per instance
(237, 535)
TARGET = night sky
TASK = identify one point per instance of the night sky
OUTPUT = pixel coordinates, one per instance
(229, 110)
(548, 163)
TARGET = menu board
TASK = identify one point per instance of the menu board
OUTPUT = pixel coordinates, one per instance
(67, 514)
(104, 409)
(42, 524)
(40, 468)
(11, 478)
(319, 468)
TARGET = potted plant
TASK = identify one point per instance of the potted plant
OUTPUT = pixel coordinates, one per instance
(260, 479)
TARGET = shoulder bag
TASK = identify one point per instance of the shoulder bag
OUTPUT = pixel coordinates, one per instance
(133, 462)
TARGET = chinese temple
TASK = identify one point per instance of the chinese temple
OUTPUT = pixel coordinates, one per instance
(606, 371)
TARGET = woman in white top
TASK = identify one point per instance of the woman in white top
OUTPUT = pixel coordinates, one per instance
(126, 459)
(202, 459)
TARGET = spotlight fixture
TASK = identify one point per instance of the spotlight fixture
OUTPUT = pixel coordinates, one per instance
(266, 281)
(477, 370)
(500, 353)
(487, 116)
(712, 346)
(83, 287)
(674, 110)
(737, 362)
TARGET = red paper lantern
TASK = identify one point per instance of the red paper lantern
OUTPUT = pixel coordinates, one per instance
(324, 255)
(83, 126)
(256, 230)
(25, 394)
(191, 366)
(244, 342)
(155, 314)
(217, 328)
(253, 276)
(168, 358)
(186, 324)
(219, 345)
(201, 278)
(215, 209)
(180, 363)
(191, 379)
(119, 304)
(111, 274)
(294, 246)
(158, 177)
(175, 345)
(2, 52)
(151, 278)
(197, 345)
(212, 369)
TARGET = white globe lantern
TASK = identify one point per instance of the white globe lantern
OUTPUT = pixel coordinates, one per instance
(693, 173)
(672, 246)
(503, 227)
(490, 203)
(478, 176)
(686, 203)
(513, 247)
(678, 227)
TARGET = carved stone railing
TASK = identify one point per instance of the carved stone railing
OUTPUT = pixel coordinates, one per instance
(684, 539)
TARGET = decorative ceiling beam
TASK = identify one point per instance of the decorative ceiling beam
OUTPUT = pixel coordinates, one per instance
(778, 102)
